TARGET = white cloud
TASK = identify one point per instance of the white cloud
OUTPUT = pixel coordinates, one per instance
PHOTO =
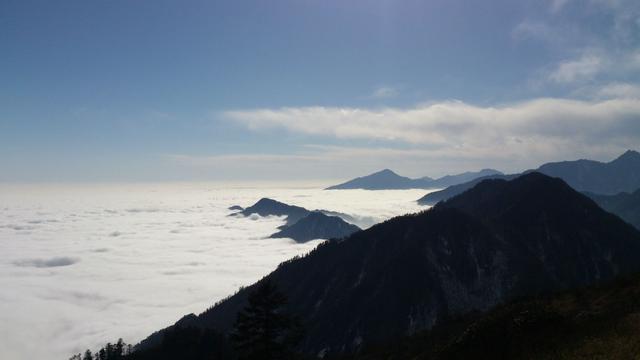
(603, 33)
(596, 64)
(619, 90)
(180, 255)
(540, 126)
(384, 92)
(439, 138)
(586, 67)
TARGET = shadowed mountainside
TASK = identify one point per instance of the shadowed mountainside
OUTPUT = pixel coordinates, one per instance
(625, 205)
(493, 243)
(598, 322)
(301, 224)
(619, 175)
(317, 225)
(270, 207)
(451, 191)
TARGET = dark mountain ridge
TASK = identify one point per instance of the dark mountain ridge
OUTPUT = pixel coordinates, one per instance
(387, 180)
(619, 175)
(384, 179)
(453, 190)
(625, 205)
(495, 242)
(301, 224)
(317, 225)
(450, 180)
(597, 322)
(270, 207)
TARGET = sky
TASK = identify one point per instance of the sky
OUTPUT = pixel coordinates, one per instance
(102, 91)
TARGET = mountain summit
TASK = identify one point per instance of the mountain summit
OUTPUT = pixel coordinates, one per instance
(270, 207)
(302, 224)
(317, 225)
(619, 175)
(384, 179)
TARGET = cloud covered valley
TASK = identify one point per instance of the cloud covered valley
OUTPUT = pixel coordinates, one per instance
(86, 264)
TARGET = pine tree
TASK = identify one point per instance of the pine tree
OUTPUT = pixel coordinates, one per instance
(87, 355)
(119, 349)
(262, 330)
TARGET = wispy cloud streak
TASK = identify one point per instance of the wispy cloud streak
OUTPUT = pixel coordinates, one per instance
(540, 126)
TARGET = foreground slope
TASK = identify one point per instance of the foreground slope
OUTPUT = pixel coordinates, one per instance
(497, 241)
(598, 322)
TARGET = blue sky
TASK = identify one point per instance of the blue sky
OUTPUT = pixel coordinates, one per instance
(286, 90)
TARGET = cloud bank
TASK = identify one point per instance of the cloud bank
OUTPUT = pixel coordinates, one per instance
(540, 129)
(176, 252)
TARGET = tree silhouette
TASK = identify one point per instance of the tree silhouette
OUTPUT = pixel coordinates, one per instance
(110, 351)
(262, 330)
(87, 355)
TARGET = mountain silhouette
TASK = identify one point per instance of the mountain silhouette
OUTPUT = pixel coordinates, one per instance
(301, 224)
(317, 225)
(619, 175)
(498, 241)
(381, 180)
(433, 198)
(388, 180)
(587, 323)
(270, 207)
(625, 205)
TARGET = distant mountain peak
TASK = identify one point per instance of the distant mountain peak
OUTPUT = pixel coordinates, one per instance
(387, 179)
(621, 174)
(317, 225)
(267, 201)
(376, 181)
(629, 155)
(267, 206)
(385, 172)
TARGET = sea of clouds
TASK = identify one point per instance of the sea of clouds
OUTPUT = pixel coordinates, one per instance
(84, 264)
